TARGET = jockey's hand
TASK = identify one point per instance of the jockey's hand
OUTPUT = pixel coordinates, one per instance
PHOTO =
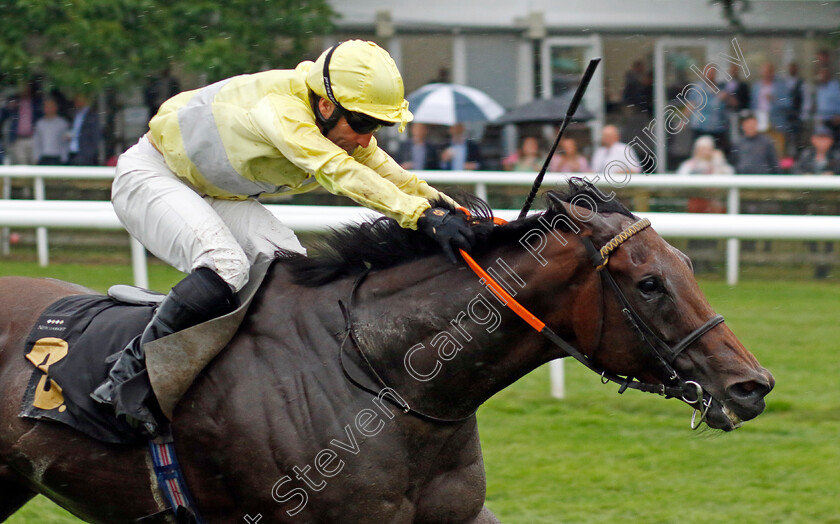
(450, 230)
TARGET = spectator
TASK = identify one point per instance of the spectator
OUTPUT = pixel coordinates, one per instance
(770, 105)
(418, 153)
(710, 119)
(529, 157)
(159, 89)
(613, 150)
(86, 133)
(461, 154)
(637, 99)
(737, 91)
(51, 144)
(823, 59)
(796, 93)
(638, 93)
(737, 100)
(570, 160)
(753, 153)
(23, 111)
(705, 160)
(827, 104)
(820, 158)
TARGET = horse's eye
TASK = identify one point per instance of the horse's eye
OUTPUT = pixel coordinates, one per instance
(650, 285)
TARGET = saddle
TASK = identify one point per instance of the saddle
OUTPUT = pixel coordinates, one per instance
(76, 340)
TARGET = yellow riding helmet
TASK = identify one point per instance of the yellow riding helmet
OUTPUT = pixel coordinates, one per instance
(361, 77)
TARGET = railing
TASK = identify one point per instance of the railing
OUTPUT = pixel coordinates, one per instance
(42, 213)
(38, 174)
(731, 226)
(100, 215)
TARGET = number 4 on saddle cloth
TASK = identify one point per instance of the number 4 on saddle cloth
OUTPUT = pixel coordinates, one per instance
(76, 340)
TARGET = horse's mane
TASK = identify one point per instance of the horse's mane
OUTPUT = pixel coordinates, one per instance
(382, 243)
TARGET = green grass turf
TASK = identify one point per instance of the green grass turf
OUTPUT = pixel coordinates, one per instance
(599, 457)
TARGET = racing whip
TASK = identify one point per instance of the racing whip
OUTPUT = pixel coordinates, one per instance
(570, 113)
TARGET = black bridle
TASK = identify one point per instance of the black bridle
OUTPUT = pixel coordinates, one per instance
(674, 386)
(664, 353)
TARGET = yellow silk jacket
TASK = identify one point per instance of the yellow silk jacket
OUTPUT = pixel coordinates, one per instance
(256, 134)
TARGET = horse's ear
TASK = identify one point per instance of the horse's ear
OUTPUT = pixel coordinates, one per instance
(585, 219)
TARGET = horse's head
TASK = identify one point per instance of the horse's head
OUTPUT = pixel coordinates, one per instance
(651, 319)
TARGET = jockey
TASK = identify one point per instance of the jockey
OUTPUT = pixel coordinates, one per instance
(187, 190)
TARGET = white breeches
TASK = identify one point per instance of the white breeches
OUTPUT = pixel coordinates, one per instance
(189, 230)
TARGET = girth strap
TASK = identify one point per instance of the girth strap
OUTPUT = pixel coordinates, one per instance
(171, 481)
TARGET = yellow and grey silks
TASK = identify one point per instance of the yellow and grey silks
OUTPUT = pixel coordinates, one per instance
(256, 134)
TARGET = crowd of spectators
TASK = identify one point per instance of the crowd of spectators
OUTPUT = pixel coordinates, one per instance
(49, 130)
(763, 127)
(774, 124)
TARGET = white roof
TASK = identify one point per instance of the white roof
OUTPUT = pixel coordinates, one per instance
(593, 15)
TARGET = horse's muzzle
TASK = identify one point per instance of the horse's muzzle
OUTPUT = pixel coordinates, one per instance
(746, 398)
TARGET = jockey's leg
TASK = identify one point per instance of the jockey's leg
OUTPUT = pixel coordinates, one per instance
(179, 226)
(256, 228)
(172, 220)
(201, 296)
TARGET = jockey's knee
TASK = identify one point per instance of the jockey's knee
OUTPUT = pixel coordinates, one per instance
(230, 264)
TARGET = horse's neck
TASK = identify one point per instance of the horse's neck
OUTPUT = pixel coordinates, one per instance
(443, 341)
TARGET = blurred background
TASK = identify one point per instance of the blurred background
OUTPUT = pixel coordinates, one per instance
(104, 67)
(766, 73)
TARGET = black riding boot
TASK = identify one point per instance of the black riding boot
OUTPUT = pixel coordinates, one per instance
(201, 296)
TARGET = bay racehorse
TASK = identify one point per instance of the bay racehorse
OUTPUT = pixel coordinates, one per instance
(349, 392)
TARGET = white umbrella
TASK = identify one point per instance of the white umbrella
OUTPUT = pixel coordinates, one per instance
(448, 104)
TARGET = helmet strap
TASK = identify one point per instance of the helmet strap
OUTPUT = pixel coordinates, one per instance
(327, 124)
(327, 82)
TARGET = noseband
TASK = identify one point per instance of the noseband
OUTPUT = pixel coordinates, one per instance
(688, 391)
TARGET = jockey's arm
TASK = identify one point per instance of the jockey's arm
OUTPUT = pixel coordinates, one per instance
(378, 160)
(290, 127)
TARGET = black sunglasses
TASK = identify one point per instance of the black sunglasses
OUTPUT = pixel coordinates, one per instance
(358, 122)
(363, 124)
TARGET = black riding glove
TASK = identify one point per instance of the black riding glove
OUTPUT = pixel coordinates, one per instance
(451, 231)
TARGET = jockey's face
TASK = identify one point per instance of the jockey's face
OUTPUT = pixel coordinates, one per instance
(342, 134)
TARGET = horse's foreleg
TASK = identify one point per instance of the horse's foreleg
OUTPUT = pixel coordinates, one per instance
(486, 517)
(14, 495)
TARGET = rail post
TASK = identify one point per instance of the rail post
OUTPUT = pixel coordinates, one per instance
(733, 245)
(41, 232)
(481, 190)
(558, 378)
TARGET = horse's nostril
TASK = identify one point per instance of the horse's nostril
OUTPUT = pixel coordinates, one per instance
(749, 391)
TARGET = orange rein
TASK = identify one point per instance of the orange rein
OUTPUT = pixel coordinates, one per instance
(494, 286)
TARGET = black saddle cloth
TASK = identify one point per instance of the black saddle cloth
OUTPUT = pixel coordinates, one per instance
(70, 346)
